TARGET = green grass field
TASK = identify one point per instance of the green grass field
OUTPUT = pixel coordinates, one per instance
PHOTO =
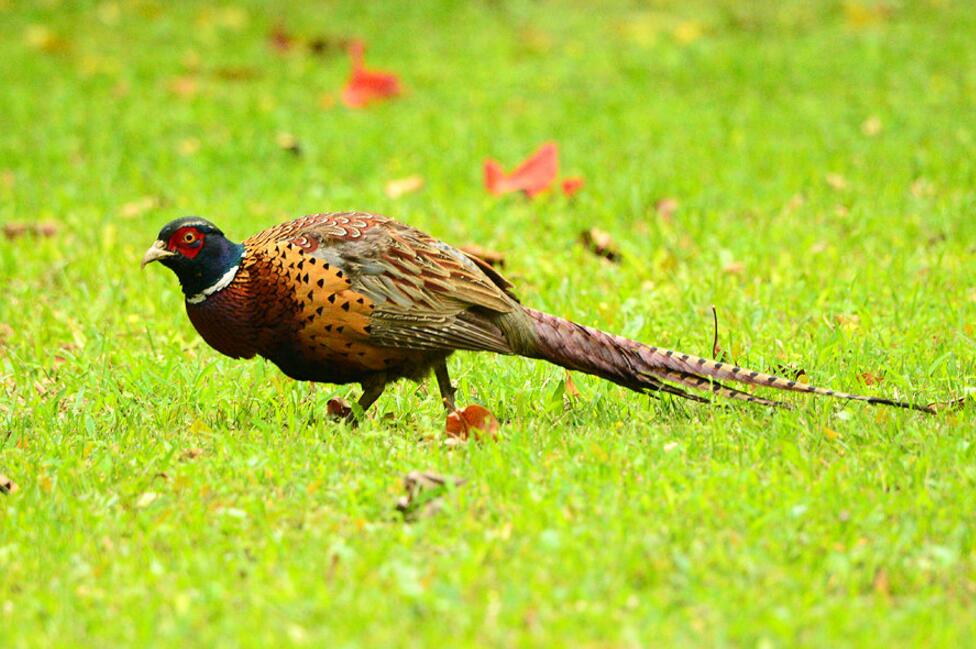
(823, 160)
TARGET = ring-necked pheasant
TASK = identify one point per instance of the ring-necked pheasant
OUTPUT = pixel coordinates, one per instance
(353, 297)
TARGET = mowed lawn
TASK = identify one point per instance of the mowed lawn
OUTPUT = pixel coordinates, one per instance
(809, 168)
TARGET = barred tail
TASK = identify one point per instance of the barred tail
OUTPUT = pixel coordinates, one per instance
(645, 369)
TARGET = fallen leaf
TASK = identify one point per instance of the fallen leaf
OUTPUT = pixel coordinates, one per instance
(16, 229)
(665, 208)
(424, 493)
(367, 86)
(288, 142)
(571, 390)
(871, 126)
(490, 257)
(8, 486)
(338, 408)
(279, 39)
(571, 185)
(469, 421)
(191, 454)
(601, 244)
(400, 186)
(952, 404)
(533, 176)
(872, 379)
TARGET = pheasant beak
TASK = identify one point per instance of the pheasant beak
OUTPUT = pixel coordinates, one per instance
(156, 252)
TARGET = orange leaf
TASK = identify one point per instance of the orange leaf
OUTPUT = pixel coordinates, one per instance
(468, 421)
(572, 185)
(367, 86)
(571, 390)
(533, 176)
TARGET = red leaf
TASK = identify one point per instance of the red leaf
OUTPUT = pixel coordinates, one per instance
(572, 185)
(367, 86)
(533, 176)
(338, 408)
(466, 422)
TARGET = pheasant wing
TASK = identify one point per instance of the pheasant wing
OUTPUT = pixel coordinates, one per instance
(420, 293)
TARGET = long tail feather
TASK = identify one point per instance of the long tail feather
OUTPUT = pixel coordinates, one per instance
(630, 363)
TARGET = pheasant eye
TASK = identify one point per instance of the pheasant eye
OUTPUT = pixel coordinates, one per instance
(189, 237)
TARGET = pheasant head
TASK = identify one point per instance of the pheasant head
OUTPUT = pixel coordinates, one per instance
(203, 259)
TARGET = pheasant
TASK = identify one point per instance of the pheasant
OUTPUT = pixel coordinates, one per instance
(360, 298)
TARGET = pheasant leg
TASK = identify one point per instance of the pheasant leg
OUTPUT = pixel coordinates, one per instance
(444, 384)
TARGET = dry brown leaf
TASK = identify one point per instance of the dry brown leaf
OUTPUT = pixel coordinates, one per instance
(191, 454)
(601, 244)
(490, 257)
(8, 486)
(872, 379)
(571, 390)
(424, 490)
(952, 404)
(16, 229)
(400, 186)
(470, 421)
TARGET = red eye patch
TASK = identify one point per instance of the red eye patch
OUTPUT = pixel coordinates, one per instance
(187, 241)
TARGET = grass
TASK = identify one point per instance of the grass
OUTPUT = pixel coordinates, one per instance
(822, 158)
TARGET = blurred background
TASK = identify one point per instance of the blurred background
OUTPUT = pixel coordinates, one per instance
(809, 167)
